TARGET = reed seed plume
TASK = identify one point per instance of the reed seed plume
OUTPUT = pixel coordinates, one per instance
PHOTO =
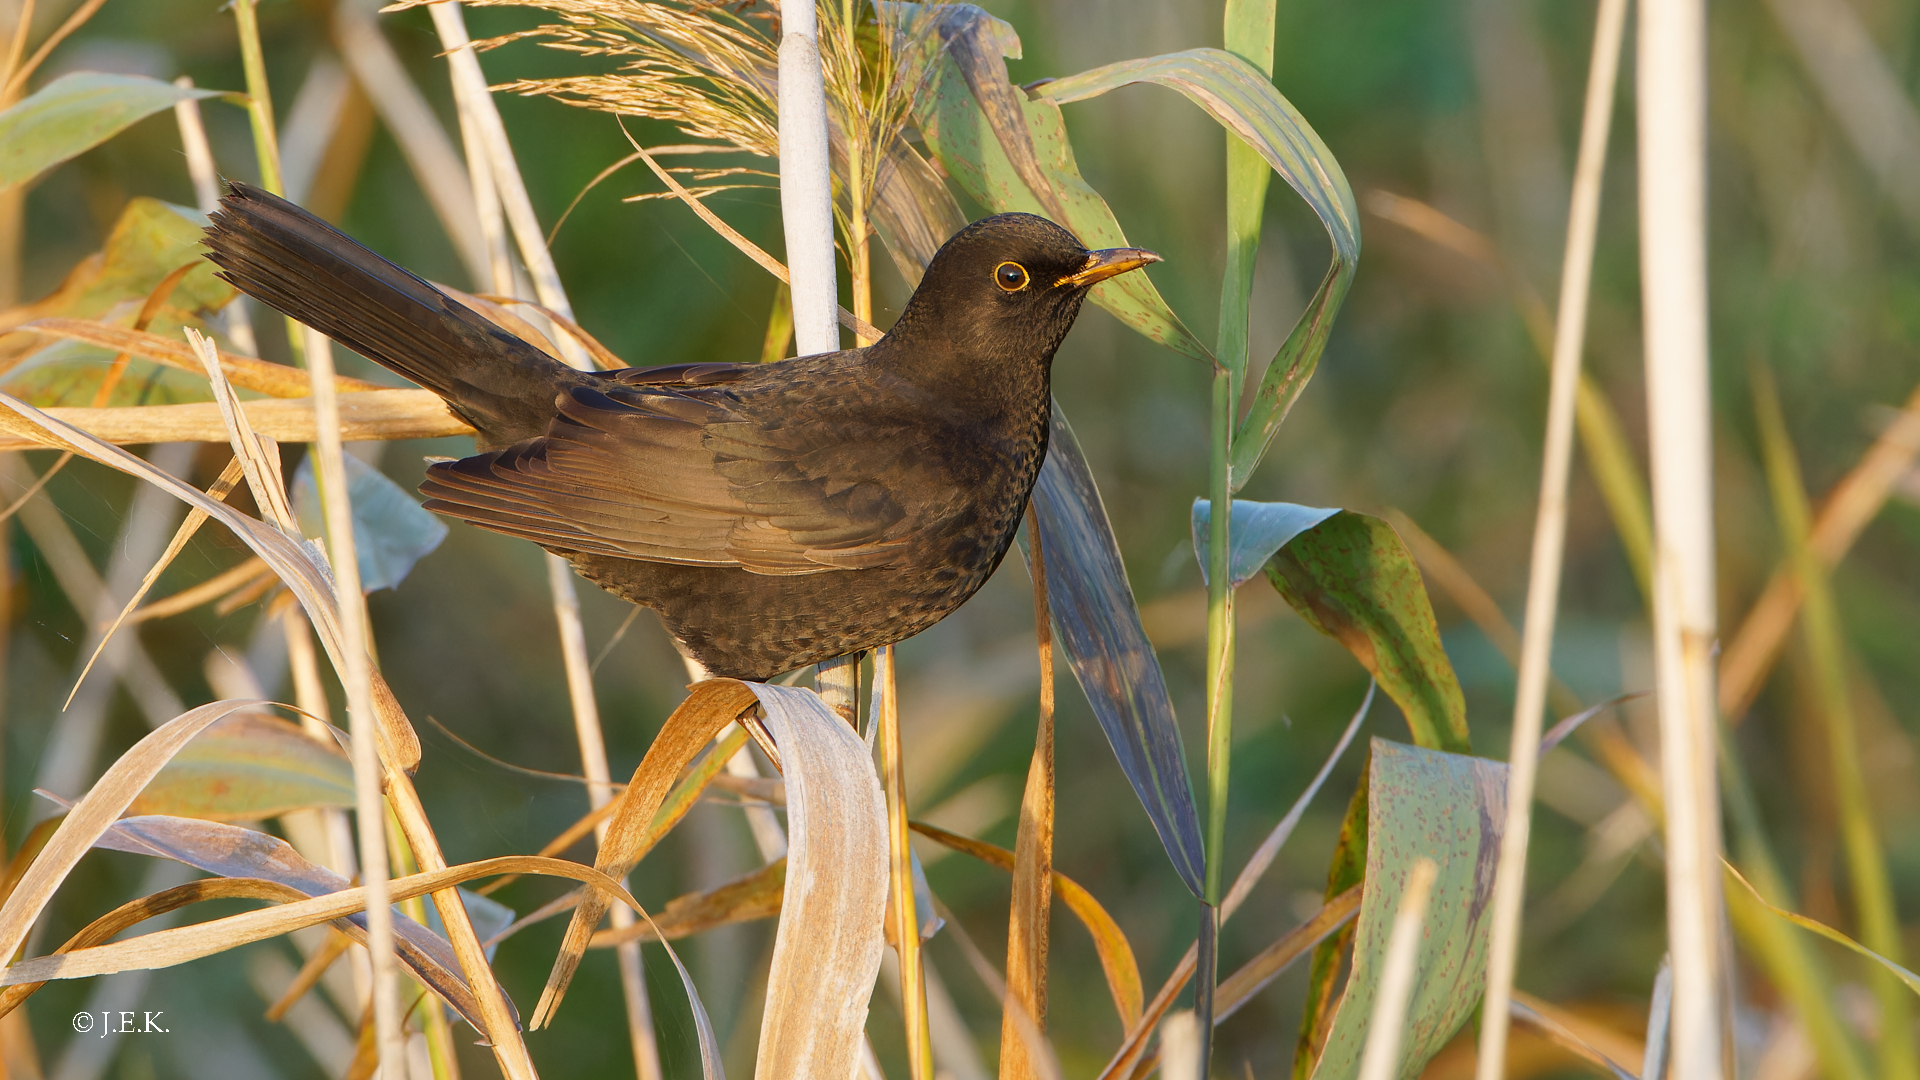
(712, 71)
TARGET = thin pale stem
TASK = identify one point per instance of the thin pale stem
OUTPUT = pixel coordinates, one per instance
(330, 480)
(357, 677)
(1549, 538)
(593, 765)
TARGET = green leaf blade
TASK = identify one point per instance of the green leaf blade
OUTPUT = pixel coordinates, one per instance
(1448, 808)
(1242, 99)
(74, 114)
(391, 532)
(1258, 530)
(1353, 579)
(248, 768)
(1106, 646)
(1011, 153)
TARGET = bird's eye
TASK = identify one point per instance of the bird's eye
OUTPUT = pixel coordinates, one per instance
(1010, 276)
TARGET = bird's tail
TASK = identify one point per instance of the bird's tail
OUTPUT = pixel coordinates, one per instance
(297, 264)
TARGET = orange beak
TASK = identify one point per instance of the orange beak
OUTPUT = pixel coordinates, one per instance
(1110, 262)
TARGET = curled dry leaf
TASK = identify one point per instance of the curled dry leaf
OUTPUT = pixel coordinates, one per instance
(826, 953)
(95, 813)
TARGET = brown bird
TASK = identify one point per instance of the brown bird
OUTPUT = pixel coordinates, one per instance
(776, 515)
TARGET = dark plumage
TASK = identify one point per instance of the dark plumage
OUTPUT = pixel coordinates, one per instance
(774, 514)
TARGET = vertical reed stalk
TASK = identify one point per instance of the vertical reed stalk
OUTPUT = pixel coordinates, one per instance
(206, 192)
(332, 470)
(1248, 32)
(1671, 69)
(1825, 639)
(906, 915)
(330, 479)
(432, 1012)
(259, 100)
(500, 194)
(1549, 536)
(806, 183)
(859, 252)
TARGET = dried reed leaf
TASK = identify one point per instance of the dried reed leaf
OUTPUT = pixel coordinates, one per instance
(1030, 909)
(601, 354)
(310, 974)
(299, 566)
(134, 912)
(826, 952)
(1579, 1036)
(234, 852)
(221, 487)
(233, 581)
(1848, 507)
(491, 308)
(1135, 1060)
(681, 799)
(246, 372)
(269, 492)
(95, 813)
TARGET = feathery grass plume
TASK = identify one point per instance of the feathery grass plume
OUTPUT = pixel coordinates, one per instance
(712, 71)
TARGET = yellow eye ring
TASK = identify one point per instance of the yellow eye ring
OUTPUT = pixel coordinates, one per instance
(1010, 276)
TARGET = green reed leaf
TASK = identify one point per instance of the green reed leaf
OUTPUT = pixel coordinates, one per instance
(74, 114)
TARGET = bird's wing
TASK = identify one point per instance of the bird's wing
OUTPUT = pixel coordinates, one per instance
(676, 467)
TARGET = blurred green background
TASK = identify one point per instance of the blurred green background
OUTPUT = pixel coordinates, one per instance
(1430, 400)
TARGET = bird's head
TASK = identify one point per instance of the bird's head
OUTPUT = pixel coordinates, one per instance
(1011, 283)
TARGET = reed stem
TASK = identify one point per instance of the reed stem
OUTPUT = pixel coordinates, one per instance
(1549, 537)
(906, 916)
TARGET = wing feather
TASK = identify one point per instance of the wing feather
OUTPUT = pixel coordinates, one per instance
(674, 465)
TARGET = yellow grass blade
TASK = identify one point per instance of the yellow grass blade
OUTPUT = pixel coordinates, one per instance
(1109, 942)
(1029, 910)
(754, 895)
(1849, 506)
(178, 945)
(903, 906)
(1135, 1060)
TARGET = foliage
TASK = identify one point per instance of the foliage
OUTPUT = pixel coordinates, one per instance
(1427, 402)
